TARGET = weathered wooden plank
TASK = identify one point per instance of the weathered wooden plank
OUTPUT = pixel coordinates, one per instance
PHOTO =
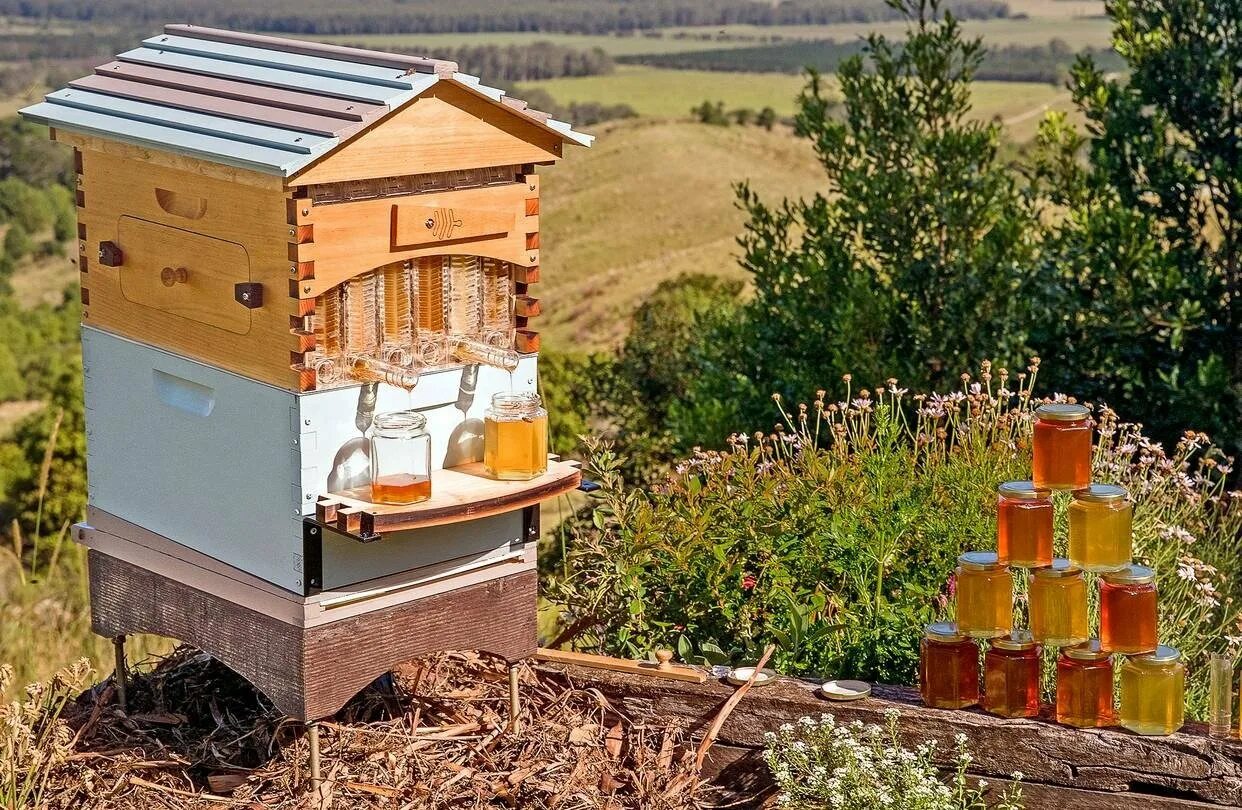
(1188, 766)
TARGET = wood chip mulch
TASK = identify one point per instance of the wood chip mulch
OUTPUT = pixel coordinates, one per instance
(432, 734)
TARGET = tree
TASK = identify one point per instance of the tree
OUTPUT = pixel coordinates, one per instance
(17, 242)
(766, 118)
(905, 265)
(1148, 248)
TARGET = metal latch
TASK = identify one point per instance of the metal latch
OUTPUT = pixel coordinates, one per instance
(249, 294)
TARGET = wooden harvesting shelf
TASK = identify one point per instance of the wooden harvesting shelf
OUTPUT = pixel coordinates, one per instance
(458, 494)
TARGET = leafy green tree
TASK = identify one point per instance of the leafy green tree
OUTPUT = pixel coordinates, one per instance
(905, 265)
(17, 243)
(1140, 287)
(766, 118)
(23, 204)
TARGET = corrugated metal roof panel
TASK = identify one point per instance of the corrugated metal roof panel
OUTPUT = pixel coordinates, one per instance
(323, 125)
(276, 97)
(341, 88)
(219, 150)
(262, 135)
(282, 60)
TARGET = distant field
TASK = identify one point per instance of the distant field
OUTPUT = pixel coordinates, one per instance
(615, 45)
(649, 201)
(662, 93)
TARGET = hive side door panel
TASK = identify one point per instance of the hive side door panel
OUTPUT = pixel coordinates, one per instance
(196, 454)
(220, 232)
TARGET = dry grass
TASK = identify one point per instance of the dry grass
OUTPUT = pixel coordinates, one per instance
(433, 734)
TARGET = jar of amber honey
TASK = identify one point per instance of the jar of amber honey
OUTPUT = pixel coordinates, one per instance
(1023, 525)
(948, 668)
(1152, 692)
(1100, 518)
(1061, 451)
(984, 595)
(1058, 604)
(400, 458)
(515, 437)
(1011, 676)
(1085, 686)
(1128, 610)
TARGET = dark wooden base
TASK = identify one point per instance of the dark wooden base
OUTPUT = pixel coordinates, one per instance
(312, 672)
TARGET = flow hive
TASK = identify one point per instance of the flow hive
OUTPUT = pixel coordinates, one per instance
(278, 240)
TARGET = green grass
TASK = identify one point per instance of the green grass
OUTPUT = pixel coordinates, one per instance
(662, 93)
(649, 201)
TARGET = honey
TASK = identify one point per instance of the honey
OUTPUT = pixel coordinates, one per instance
(984, 595)
(515, 438)
(1128, 610)
(1011, 676)
(1061, 451)
(948, 668)
(1058, 605)
(1023, 525)
(400, 458)
(1100, 518)
(1085, 686)
(1152, 688)
(401, 488)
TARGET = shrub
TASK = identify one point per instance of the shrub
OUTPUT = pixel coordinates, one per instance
(34, 741)
(819, 765)
(836, 534)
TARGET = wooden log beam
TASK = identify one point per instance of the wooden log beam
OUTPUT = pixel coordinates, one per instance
(1098, 769)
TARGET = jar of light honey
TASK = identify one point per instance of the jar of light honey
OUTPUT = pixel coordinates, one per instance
(1061, 446)
(400, 458)
(948, 668)
(984, 595)
(1011, 676)
(1100, 518)
(1085, 686)
(1128, 610)
(1058, 604)
(515, 437)
(1023, 524)
(1152, 692)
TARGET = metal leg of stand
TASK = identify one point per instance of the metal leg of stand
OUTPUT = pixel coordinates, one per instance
(312, 735)
(515, 706)
(121, 675)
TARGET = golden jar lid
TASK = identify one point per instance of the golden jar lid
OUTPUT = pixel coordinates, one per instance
(1102, 493)
(1087, 651)
(1023, 490)
(1063, 412)
(1130, 575)
(1016, 640)
(980, 561)
(1163, 654)
(1060, 567)
(943, 631)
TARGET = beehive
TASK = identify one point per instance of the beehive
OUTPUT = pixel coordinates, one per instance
(277, 240)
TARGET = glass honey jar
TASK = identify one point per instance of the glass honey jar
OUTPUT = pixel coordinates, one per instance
(1100, 518)
(1058, 604)
(1128, 610)
(948, 668)
(515, 437)
(1023, 525)
(984, 595)
(1085, 686)
(1152, 692)
(400, 458)
(1011, 676)
(1061, 446)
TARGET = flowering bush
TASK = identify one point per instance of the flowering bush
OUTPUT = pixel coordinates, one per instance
(819, 765)
(836, 534)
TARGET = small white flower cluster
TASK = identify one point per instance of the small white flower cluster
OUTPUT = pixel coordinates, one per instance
(818, 763)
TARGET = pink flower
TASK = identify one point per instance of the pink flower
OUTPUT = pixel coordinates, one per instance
(749, 581)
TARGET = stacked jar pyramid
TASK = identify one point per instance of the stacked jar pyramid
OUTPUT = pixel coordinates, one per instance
(1152, 677)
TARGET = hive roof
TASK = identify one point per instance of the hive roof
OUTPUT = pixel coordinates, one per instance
(257, 102)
